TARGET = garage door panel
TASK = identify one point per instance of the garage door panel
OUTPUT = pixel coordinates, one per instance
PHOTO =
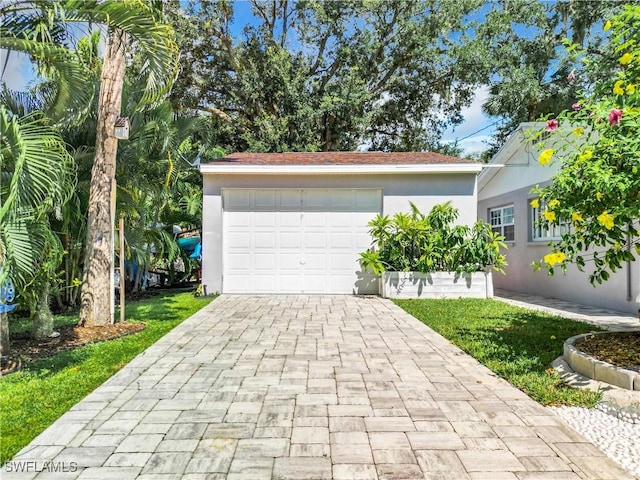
(289, 240)
(341, 200)
(295, 241)
(315, 262)
(264, 283)
(315, 200)
(341, 262)
(340, 219)
(341, 284)
(238, 240)
(315, 219)
(240, 262)
(289, 219)
(315, 240)
(238, 201)
(365, 202)
(289, 262)
(290, 200)
(265, 220)
(264, 240)
(342, 241)
(265, 200)
(239, 219)
(314, 283)
(288, 283)
(264, 262)
(236, 283)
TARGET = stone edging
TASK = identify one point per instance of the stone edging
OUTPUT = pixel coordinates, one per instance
(597, 369)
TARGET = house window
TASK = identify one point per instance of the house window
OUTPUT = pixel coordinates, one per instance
(541, 231)
(501, 220)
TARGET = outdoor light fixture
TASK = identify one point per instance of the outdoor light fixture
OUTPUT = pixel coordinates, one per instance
(121, 130)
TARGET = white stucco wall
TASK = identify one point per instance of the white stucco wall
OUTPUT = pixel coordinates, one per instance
(424, 190)
(512, 185)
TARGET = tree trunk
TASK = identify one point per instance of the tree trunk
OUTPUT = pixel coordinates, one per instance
(95, 297)
(5, 349)
(41, 315)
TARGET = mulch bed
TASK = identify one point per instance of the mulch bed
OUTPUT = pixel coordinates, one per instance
(621, 349)
(24, 349)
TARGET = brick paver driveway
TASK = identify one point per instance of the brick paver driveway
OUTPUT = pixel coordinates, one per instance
(309, 387)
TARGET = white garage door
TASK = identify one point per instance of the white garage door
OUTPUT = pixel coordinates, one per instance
(295, 241)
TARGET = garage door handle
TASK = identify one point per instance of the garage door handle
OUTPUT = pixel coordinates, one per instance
(302, 262)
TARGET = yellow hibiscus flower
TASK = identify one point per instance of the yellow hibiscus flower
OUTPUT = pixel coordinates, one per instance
(626, 59)
(586, 155)
(554, 203)
(578, 131)
(617, 88)
(554, 257)
(545, 156)
(631, 88)
(549, 215)
(577, 217)
(606, 220)
(535, 203)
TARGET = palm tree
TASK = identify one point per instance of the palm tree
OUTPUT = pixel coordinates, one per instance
(35, 179)
(40, 30)
(154, 169)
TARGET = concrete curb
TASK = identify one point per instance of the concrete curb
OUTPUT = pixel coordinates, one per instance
(597, 369)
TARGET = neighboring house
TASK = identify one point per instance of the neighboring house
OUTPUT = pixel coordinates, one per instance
(296, 222)
(504, 193)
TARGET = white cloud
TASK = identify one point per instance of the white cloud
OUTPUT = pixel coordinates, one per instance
(474, 121)
(17, 71)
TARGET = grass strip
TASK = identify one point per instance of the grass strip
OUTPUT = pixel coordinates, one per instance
(515, 343)
(33, 398)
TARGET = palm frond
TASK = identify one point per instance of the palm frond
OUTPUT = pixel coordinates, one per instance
(19, 103)
(74, 94)
(39, 164)
(21, 240)
(154, 41)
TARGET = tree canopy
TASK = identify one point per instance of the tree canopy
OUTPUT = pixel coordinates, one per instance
(315, 75)
(533, 75)
(597, 190)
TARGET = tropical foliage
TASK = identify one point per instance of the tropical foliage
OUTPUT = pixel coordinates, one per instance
(316, 75)
(49, 137)
(531, 76)
(597, 190)
(431, 243)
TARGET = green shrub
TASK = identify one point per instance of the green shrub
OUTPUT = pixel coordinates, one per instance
(431, 243)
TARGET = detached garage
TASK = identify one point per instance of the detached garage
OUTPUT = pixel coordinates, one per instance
(287, 223)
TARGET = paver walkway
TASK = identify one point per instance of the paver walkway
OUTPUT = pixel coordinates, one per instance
(309, 387)
(608, 319)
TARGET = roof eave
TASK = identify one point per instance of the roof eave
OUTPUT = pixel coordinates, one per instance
(372, 169)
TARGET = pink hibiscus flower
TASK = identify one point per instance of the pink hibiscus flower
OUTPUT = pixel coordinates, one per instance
(614, 116)
(551, 125)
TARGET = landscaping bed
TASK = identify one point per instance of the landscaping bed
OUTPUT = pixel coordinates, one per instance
(25, 349)
(620, 349)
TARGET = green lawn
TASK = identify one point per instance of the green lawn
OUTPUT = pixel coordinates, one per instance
(32, 399)
(515, 343)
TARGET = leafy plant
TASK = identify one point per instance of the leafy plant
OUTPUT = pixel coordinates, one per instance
(430, 243)
(597, 143)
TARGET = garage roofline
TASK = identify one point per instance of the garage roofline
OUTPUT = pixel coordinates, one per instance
(371, 169)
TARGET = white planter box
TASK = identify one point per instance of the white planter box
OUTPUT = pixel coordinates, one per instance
(436, 285)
